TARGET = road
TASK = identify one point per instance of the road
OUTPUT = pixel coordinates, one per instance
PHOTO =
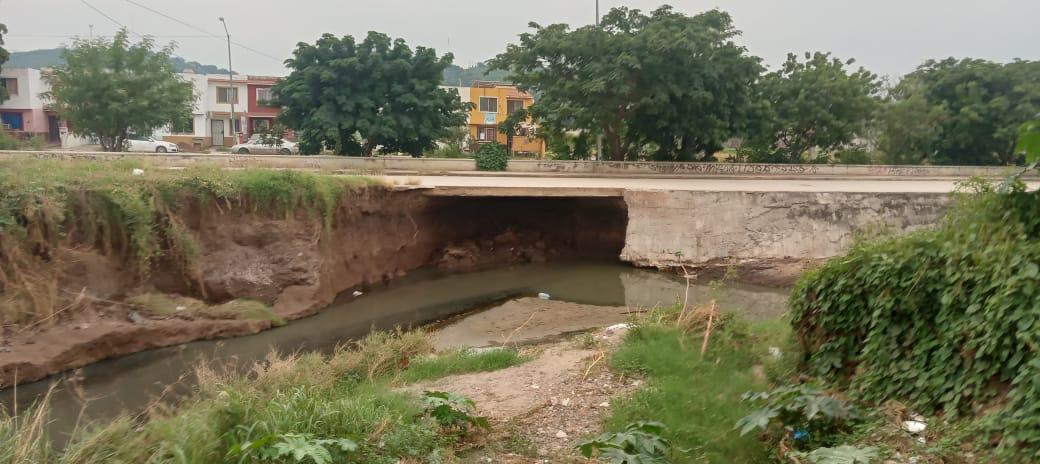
(702, 184)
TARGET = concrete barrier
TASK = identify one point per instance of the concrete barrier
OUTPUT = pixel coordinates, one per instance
(525, 167)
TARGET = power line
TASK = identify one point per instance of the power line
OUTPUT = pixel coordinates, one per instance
(192, 26)
(102, 13)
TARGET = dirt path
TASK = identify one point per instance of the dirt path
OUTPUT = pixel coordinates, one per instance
(541, 408)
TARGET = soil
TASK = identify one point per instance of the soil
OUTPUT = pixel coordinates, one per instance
(540, 409)
(524, 321)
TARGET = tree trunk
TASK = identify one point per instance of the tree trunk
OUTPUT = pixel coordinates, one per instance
(613, 135)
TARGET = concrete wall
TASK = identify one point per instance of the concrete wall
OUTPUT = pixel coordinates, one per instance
(573, 168)
(666, 229)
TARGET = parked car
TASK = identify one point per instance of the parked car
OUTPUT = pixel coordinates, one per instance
(257, 146)
(150, 145)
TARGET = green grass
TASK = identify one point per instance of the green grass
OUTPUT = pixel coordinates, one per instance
(460, 362)
(158, 304)
(699, 398)
(344, 395)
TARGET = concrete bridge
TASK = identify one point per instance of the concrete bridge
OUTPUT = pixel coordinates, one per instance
(672, 214)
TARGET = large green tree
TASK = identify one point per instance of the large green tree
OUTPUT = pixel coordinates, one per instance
(986, 103)
(910, 130)
(4, 56)
(815, 104)
(112, 89)
(665, 83)
(355, 97)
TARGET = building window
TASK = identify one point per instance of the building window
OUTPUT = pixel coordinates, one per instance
(11, 84)
(227, 95)
(512, 106)
(264, 97)
(489, 104)
(487, 134)
(261, 125)
(183, 126)
(11, 121)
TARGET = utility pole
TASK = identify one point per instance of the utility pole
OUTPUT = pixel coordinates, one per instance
(232, 93)
(599, 137)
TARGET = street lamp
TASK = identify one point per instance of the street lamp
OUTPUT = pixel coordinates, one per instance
(232, 93)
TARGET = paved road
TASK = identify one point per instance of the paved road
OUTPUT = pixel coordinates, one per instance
(709, 184)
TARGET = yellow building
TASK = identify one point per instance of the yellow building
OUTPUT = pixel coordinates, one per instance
(492, 103)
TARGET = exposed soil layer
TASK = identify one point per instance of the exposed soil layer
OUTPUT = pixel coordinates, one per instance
(297, 264)
(552, 401)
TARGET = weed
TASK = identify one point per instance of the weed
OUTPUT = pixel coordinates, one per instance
(460, 362)
(161, 305)
(694, 396)
(639, 443)
(805, 415)
(454, 412)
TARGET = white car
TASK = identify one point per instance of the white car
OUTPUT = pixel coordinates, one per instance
(150, 145)
(256, 146)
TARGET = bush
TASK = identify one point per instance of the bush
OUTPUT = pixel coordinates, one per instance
(8, 142)
(853, 155)
(944, 319)
(492, 157)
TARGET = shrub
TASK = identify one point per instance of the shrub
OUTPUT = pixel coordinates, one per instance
(492, 157)
(7, 142)
(813, 417)
(943, 319)
(640, 442)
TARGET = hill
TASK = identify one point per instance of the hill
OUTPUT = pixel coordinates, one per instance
(457, 75)
(51, 57)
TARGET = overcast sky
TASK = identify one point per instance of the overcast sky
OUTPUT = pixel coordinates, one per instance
(890, 37)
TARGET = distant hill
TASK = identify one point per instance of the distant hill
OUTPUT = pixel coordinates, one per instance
(457, 75)
(51, 58)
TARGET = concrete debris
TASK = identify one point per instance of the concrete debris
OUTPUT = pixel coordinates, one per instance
(915, 425)
(775, 352)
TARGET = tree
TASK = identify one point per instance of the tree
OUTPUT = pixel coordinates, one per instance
(985, 102)
(911, 129)
(110, 90)
(815, 104)
(511, 125)
(4, 56)
(354, 97)
(676, 83)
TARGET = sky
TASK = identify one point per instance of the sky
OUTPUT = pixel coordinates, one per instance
(889, 37)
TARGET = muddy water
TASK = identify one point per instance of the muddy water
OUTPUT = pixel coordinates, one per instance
(105, 389)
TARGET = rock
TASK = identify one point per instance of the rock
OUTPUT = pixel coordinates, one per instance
(137, 172)
(5, 349)
(543, 296)
(775, 352)
(357, 293)
(604, 404)
(565, 402)
(136, 317)
(180, 308)
(561, 434)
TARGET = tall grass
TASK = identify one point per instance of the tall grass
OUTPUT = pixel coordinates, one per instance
(347, 394)
(698, 397)
(459, 362)
(139, 219)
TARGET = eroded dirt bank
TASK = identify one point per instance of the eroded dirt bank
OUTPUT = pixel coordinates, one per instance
(297, 264)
